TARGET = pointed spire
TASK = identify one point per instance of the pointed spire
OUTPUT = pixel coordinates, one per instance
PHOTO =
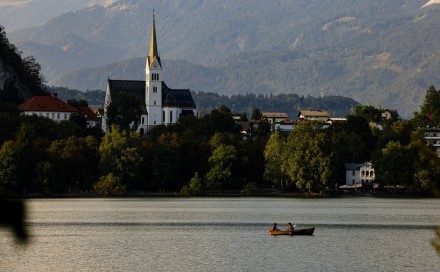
(153, 44)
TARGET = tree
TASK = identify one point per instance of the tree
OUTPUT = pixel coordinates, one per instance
(120, 155)
(74, 162)
(431, 105)
(273, 155)
(221, 161)
(109, 185)
(370, 113)
(194, 187)
(256, 114)
(8, 165)
(307, 157)
(125, 112)
(393, 165)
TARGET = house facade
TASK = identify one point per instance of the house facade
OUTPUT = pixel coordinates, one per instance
(316, 115)
(432, 138)
(274, 117)
(161, 104)
(358, 174)
(48, 106)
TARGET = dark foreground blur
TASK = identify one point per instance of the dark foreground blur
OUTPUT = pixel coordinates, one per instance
(12, 214)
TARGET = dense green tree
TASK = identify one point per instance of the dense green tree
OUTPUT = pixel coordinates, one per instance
(221, 162)
(393, 165)
(359, 125)
(370, 113)
(256, 114)
(120, 155)
(425, 164)
(273, 155)
(8, 121)
(109, 185)
(8, 165)
(125, 112)
(431, 104)
(165, 162)
(194, 187)
(74, 163)
(307, 158)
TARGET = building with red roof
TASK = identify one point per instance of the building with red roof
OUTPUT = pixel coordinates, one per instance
(91, 118)
(47, 106)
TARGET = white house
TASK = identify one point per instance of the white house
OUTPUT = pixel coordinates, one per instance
(432, 137)
(47, 106)
(357, 174)
(162, 104)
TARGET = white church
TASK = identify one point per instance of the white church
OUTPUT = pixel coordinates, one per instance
(162, 104)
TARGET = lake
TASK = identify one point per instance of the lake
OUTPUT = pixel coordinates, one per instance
(225, 234)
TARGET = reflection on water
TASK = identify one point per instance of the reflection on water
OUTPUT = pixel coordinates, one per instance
(225, 234)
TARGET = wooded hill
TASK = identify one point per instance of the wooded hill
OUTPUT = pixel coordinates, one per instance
(290, 103)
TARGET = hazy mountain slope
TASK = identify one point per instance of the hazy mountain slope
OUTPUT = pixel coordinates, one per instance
(16, 14)
(178, 74)
(378, 52)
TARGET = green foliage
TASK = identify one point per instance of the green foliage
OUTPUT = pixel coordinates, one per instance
(273, 155)
(8, 165)
(307, 159)
(109, 185)
(393, 164)
(194, 187)
(125, 112)
(120, 155)
(370, 113)
(73, 161)
(250, 188)
(221, 162)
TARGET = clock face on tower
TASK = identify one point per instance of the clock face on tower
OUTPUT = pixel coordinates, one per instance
(155, 65)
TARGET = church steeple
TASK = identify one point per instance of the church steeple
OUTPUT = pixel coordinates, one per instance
(153, 45)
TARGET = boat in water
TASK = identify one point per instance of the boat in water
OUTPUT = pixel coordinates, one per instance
(299, 231)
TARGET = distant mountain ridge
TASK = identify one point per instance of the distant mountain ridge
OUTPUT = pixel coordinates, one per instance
(382, 53)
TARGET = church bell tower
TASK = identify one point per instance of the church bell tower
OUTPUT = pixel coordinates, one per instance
(153, 82)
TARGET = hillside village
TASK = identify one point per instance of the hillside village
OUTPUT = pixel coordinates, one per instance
(149, 138)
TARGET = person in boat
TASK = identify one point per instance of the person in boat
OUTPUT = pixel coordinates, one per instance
(290, 227)
(274, 226)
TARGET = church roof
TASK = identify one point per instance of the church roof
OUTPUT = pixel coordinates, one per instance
(180, 98)
(134, 87)
(153, 45)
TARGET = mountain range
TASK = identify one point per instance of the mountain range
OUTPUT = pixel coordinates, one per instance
(382, 53)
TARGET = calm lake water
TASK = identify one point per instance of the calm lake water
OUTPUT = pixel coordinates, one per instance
(225, 234)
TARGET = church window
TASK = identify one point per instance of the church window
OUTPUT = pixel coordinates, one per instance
(157, 76)
(154, 102)
(171, 116)
(154, 89)
(143, 120)
(163, 116)
(58, 115)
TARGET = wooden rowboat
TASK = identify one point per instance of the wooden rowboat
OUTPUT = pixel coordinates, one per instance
(303, 231)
